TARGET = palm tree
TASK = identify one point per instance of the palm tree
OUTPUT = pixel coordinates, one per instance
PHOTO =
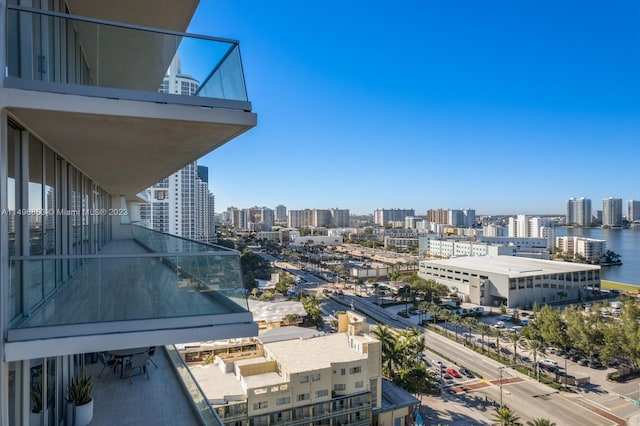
(424, 307)
(505, 417)
(444, 315)
(456, 320)
(541, 422)
(469, 323)
(388, 346)
(515, 339)
(435, 311)
(483, 328)
(497, 333)
(535, 347)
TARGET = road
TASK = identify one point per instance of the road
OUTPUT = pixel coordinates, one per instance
(527, 397)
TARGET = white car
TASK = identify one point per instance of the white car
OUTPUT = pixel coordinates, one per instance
(547, 361)
(438, 364)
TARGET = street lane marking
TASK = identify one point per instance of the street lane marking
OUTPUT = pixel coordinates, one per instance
(619, 406)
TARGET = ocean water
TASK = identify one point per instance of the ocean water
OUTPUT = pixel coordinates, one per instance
(625, 242)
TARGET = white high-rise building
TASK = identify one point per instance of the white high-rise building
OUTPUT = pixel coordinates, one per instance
(280, 214)
(612, 212)
(519, 226)
(578, 212)
(383, 216)
(633, 210)
(522, 226)
(182, 203)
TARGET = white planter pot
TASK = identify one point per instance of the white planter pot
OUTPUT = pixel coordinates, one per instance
(83, 414)
(35, 419)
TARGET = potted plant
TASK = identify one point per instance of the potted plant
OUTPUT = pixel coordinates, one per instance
(35, 418)
(79, 392)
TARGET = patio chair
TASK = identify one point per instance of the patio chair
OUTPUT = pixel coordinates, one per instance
(111, 363)
(137, 361)
(151, 352)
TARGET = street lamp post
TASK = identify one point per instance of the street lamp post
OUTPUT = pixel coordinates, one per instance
(500, 371)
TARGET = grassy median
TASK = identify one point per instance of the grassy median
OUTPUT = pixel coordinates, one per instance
(612, 285)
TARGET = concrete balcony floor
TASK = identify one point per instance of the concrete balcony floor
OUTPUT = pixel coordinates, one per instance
(160, 400)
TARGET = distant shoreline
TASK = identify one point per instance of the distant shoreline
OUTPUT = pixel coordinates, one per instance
(612, 285)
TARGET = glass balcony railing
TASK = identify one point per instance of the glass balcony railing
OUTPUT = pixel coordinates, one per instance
(207, 414)
(49, 47)
(178, 278)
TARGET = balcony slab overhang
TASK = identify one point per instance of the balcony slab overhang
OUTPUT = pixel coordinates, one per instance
(125, 145)
(151, 13)
(52, 341)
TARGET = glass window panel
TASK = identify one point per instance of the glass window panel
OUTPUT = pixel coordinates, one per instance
(13, 161)
(49, 219)
(34, 221)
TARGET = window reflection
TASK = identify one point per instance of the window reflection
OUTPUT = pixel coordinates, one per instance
(34, 221)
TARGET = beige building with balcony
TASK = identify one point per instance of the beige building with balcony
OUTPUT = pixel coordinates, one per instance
(331, 379)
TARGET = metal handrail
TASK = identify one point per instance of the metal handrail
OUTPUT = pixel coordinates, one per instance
(120, 24)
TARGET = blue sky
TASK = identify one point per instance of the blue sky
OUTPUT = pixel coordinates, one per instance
(501, 106)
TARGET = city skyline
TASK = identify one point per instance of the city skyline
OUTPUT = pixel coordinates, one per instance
(505, 108)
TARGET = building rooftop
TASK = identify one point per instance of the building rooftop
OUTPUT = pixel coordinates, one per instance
(394, 397)
(287, 333)
(310, 354)
(513, 266)
(219, 387)
(274, 311)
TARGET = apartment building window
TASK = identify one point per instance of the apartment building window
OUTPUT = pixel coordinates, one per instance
(304, 379)
(303, 396)
(343, 371)
(321, 393)
(315, 377)
(283, 401)
(359, 384)
(339, 387)
(260, 405)
(355, 370)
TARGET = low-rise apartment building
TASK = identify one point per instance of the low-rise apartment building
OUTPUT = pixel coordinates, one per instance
(589, 248)
(300, 381)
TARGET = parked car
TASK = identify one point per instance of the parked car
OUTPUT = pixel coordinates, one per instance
(467, 373)
(547, 361)
(438, 364)
(595, 364)
(446, 376)
(583, 361)
(548, 367)
(453, 373)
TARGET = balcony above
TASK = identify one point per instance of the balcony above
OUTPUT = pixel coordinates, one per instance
(167, 290)
(95, 89)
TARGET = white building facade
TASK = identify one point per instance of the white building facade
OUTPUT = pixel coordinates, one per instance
(512, 281)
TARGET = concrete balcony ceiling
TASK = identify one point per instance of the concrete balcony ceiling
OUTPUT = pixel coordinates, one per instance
(165, 14)
(125, 146)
